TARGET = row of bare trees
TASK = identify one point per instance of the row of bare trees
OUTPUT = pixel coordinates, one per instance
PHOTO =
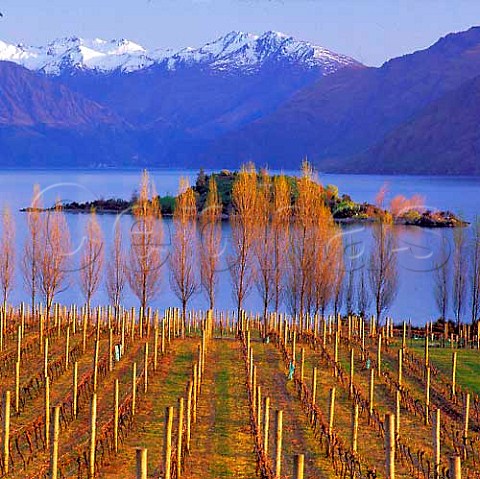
(457, 275)
(283, 242)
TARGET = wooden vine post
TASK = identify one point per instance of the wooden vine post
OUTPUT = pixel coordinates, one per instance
(194, 395)
(110, 350)
(454, 373)
(455, 469)
(427, 395)
(141, 462)
(379, 355)
(331, 412)
(167, 449)
(466, 415)
(390, 445)
(436, 444)
(266, 423)
(134, 388)
(188, 416)
(400, 367)
(354, 426)
(294, 343)
(84, 333)
(298, 466)
(352, 367)
(115, 415)
(67, 348)
(335, 355)
(371, 391)
(93, 437)
(397, 411)
(427, 355)
(145, 369)
(47, 412)
(314, 392)
(55, 433)
(155, 348)
(17, 387)
(45, 358)
(75, 390)
(258, 407)
(95, 365)
(19, 343)
(6, 431)
(180, 435)
(278, 443)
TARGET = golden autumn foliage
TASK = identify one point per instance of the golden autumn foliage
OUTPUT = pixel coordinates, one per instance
(183, 268)
(264, 241)
(211, 236)
(315, 273)
(242, 221)
(116, 271)
(54, 256)
(281, 215)
(91, 261)
(32, 247)
(7, 255)
(146, 243)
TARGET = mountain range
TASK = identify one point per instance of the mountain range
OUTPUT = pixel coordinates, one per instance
(266, 98)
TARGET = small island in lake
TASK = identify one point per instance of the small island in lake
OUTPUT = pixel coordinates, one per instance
(344, 209)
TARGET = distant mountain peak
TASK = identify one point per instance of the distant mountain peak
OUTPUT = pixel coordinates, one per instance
(234, 51)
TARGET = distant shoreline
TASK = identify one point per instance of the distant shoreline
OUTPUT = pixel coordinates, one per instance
(343, 209)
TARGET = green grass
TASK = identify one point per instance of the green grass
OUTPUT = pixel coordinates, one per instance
(468, 364)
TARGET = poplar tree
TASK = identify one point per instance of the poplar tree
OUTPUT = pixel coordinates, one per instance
(7, 255)
(242, 221)
(146, 257)
(91, 261)
(183, 256)
(211, 236)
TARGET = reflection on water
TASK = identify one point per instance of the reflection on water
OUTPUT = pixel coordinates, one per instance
(417, 247)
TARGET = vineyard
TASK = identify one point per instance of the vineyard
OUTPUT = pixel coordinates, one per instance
(147, 395)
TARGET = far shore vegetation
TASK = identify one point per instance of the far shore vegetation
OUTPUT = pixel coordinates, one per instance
(400, 210)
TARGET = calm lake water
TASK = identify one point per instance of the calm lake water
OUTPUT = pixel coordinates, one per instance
(417, 246)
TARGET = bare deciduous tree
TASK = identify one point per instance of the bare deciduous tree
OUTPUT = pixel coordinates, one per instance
(363, 296)
(383, 274)
(242, 220)
(91, 260)
(116, 277)
(7, 255)
(326, 276)
(281, 215)
(54, 256)
(352, 267)
(475, 274)
(303, 243)
(460, 273)
(264, 242)
(211, 236)
(335, 254)
(146, 238)
(441, 278)
(183, 278)
(31, 257)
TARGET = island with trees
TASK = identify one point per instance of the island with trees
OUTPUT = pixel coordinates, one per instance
(401, 210)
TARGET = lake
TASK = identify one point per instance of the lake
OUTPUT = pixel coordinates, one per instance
(417, 246)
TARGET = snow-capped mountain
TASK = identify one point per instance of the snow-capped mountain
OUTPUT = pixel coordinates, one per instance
(235, 51)
(76, 53)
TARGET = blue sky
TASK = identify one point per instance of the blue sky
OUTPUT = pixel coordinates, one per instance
(372, 31)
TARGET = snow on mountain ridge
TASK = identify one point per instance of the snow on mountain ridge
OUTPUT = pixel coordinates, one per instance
(235, 50)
